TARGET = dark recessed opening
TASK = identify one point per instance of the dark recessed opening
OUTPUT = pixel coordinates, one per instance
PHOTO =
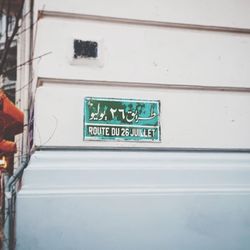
(85, 49)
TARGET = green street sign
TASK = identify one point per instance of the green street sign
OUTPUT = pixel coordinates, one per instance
(121, 119)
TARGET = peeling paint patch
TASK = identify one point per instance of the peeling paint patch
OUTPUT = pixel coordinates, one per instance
(85, 49)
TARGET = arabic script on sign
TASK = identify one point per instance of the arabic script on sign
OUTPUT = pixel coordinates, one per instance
(105, 113)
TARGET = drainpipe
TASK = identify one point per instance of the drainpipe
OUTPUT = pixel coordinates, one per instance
(10, 203)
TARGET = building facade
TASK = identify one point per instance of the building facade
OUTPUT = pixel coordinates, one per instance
(138, 123)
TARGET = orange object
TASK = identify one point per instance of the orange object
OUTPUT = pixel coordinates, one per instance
(7, 147)
(12, 5)
(11, 118)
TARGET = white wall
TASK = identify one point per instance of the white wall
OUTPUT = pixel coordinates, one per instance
(134, 53)
(140, 200)
(146, 54)
(113, 196)
(233, 13)
(195, 119)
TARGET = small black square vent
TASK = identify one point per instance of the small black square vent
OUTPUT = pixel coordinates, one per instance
(85, 49)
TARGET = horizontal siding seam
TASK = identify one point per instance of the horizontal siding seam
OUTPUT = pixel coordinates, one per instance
(213, 28)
